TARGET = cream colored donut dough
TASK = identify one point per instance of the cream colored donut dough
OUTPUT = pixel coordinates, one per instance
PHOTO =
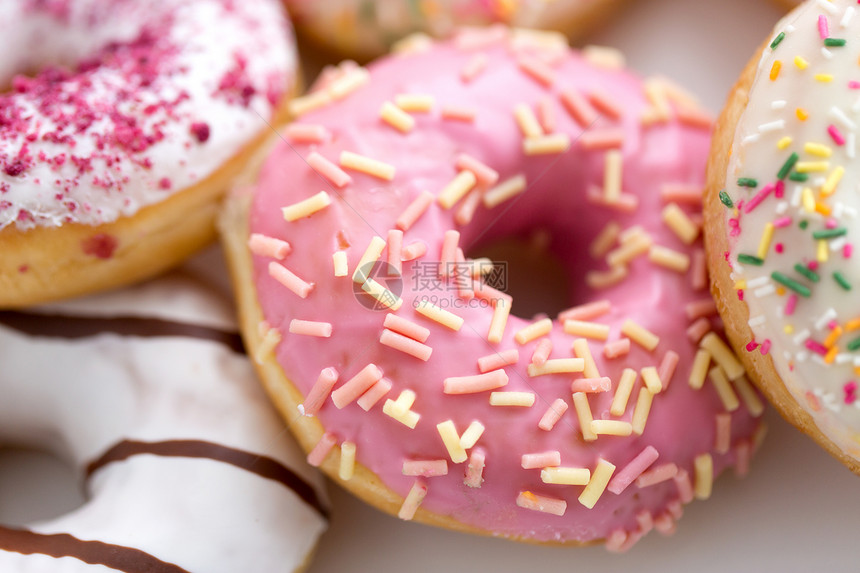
(422, 389)
(366, 28)
(135, 117)
(781, 210)
(147, 394)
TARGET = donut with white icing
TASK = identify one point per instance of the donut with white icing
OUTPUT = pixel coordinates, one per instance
(114, 156)
(781, 215)
(148, 395)
(421, 392)
(367, 28)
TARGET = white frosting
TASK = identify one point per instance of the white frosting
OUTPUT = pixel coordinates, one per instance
(195, 46)
(820, 84)
(79, 397)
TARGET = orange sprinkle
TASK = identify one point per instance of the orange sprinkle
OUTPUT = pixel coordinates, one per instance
(831, 355)
(833, 337)
(774, 70)
(802, 114)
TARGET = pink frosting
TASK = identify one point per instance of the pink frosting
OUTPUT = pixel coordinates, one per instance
(682, 424)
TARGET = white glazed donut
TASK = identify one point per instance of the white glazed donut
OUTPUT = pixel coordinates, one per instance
(147, 393)
(113, 157)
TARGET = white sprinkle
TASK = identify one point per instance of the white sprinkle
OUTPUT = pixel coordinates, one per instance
(828, 55)
(795, 196)
(840, 116)
(850, 141)
(846, 17)
(752, 138)
(801, 356)
(764, 291)
(825, 318)
(843, 358)
(757, 321)
(772, 126)
(778, 104)
(801, 336)
(781, 207)
(837, 244)
(827, 6)
(758, 282)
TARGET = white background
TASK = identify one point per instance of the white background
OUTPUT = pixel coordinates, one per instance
(797, 510)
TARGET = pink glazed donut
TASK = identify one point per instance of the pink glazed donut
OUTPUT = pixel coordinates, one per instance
(398, 364)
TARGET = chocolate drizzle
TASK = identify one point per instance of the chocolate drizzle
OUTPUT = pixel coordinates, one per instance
(118, 557)
(72, 327)
(263, 466)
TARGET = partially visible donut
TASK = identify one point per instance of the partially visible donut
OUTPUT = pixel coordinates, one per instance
(366, 28)
(114, 156)
(422, 393)
(148, 395)
(781, 214)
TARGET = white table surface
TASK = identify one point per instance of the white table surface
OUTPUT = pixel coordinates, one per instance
(797, 510)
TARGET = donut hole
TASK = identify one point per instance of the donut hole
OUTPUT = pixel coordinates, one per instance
(36, 485)
(527, 269)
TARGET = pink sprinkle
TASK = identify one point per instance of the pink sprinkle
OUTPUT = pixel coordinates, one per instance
(552, 415)
(467, 207)
(356, 386)
(395, 248)
(779, 191)
(475, 383)
(659, 474)
(832, 324)
(406, 327)
(816, 347)
(743, 454)
(405, 344)
(790, 304)
(835, 134)
(591, 385)
(645, 521)
(200, 131)
(765, 347)
(684, 485)
(310, 328)
(665, 524)
(541, 460)
(616, 348)
(415, 209)
(751, 345)
(305, 133)
(320, 391)
(486, 175)
(287, 278)
(578, 108)
(474, 67)
(847, 250)
(321, 450)
(333, 173)
(759, 197)
(498, 360)
(458, 113)
(831, 223)
(812, 265)
(600, 139)
(413, 499)
(586, 311)
(850, 390)
(694, 117)
(699, 270)
(700, 308)
(542, 351)
(413, 251)
(265, 246)
(779, 248)
(633, 470)
(615, 540)
(605, 104)
(551, 505)
(854, 84)
(681, 193)
(666, 370)
(537, 70)
(741, 294)
(724, 433)
(475, 468)
(823, 27)
(698, 329)
(425, 468)
(546, 115)
(376, 393)
(448, 256)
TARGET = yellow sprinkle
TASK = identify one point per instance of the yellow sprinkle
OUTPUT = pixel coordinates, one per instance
(802, 114)
(641, 410)
(416, 103)
(604, 240)
(370, 256)
(638, 245)
(582, 350)
(724, 390)
(651, 379)
(818, 149)
(546, 144)
(811, 166)
(347, 461)
(669, 258)
(832, 181)
(557, 366)
(501, 312)
(822, 252)
(800, 62)
(396, 410)
(740, 284)
(788, 329)
(535, 330)
(640, 335)
(784, 142)
(764, 242)
(306, 207)
(583, 414)
(505, 190)
(780, 290)
(684, 227)
(823, 78)
(597, 484)
(396, 117)
(612, 171)
(722, 355)
(521, 399)
(440, 315)
(451, 439)
(527, 121)
(565, 476)
(304, 104)
(704, 476)
(611, 428)
(774, 69)
(348, 83)
(605, 279)
(456, 189)
(822, 208)
(749, 396)
(472, 434)
(700, 368)
(587, 329)
(622, 392)
(374, 167)
(808, 200)
(340, 264)
(384, 296)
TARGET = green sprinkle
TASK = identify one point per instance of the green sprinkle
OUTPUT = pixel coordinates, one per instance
(791, 284)
(843, 282)
(807, 272)
(727, 201)
(750, 260)
(834, 42)
(747, 182)
(829, 233)
(777, 40)
(787, 166)
(803, 224)
(854, 344)
(799, 177)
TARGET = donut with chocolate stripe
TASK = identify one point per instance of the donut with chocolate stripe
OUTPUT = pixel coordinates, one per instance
(148, 393)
